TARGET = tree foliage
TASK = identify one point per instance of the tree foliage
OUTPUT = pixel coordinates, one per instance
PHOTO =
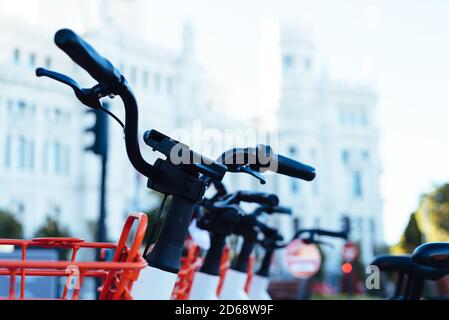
(410, 239)
(433, 214)
(51, 228)
(10, 227)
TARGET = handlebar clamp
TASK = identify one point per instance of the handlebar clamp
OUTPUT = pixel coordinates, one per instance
(180, 154)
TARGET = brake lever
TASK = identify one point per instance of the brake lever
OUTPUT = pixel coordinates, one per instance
(252, 172)
(88, 97)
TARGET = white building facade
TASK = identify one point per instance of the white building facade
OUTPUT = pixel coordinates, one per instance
(332, 126)
(44, 169)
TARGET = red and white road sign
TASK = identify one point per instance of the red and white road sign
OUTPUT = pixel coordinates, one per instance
(350, 252)
(303, 260)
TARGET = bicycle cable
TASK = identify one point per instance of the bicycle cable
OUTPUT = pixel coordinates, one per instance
(153, 227)
(113, 116)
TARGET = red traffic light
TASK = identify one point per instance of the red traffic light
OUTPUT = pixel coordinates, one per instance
(346, 267)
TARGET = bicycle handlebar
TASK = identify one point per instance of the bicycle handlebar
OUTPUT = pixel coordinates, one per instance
(278, 209)
(295, 169)
(257, 197)
(163, 176)
(262, 158)
(86, 57)
(320, 232)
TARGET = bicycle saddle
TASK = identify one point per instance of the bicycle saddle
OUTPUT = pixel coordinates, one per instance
(394, 263)
(434, 255)
(404, 264)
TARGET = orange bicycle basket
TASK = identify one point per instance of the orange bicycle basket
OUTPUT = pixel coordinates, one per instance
(190, 263)
(117, 275)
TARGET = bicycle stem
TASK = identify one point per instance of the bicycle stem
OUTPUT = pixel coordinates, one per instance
(167, 251)
(211, 264)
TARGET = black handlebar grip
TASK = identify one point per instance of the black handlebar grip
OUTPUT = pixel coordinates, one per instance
(295, 169)
(334, 234)
(86, 57)
(258, 197)
(280, 209)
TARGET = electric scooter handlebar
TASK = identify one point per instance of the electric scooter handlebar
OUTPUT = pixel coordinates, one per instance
(86, 57)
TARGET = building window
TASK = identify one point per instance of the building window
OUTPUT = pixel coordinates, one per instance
(294, 186)
(365, 155)
(133, 75)
(22, 106)
(288, 61)
(169, 85)
(31, 155)
(32, 59)
(57, 113)
(363, 119)
(66, 157)
(16, 56)
(372, 226)
(345, 156)
(351, 118)
(57, 157)
(358, 227)
(45, 156)
(8, 143)
(357, 184)
(47, 62)
(9, 107)
(22, 153)
(146, 78)
(157, 82)
(307, 63)
(342, 117)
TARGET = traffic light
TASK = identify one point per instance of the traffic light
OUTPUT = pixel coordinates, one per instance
(346, 267)
(100, 131)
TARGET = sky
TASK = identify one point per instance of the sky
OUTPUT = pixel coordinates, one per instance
(400, 47)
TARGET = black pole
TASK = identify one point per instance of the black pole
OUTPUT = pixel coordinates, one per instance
(101, 235)
(101, 229)
(100, 148)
